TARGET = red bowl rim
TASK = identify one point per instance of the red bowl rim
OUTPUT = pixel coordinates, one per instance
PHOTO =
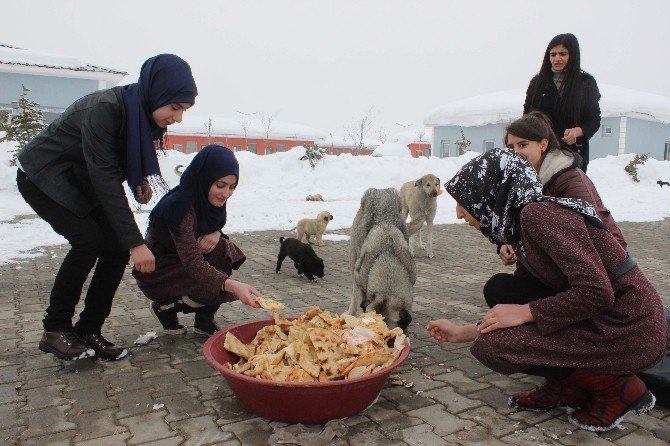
(207, 349)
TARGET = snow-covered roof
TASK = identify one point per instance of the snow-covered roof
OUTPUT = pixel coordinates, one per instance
(416, 135)
(505, 106)
(392, 149)
(198, 125)
(348, 142)
(11, 55)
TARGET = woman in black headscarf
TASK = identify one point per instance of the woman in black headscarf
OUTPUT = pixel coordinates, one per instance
(71, 174)
(567, 94)
(604, 321)
(194, 260)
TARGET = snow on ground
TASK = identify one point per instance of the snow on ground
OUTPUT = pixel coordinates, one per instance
(272, 190)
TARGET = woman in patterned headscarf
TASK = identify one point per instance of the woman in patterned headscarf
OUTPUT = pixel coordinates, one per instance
(71, 174)
(604, 321)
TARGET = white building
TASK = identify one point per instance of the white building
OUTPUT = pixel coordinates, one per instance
(632, 122)
(54, 81)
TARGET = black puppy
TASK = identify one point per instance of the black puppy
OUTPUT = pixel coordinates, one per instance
(304, 258)
(662, 183)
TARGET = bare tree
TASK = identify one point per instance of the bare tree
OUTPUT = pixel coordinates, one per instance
(359, 130)
(420, 134)
(266, 121)
(209, 131)
(382, 135)
(243, 119)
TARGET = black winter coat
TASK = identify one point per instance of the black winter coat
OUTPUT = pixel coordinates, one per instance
(548, 103)
(79, 161)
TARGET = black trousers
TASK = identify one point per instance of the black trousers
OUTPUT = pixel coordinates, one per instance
(92, 240)
(510, 289)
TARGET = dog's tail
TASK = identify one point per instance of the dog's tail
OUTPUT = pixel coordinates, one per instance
(178, 171)
(281, 239)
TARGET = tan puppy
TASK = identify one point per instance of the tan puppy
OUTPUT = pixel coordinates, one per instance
(419, 199)
(313, 226)
(315, 197)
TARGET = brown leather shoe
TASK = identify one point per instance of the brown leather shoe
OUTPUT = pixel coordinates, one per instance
(104, 349)
(65, 345)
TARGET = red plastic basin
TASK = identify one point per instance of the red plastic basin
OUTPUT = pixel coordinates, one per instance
(289, 401)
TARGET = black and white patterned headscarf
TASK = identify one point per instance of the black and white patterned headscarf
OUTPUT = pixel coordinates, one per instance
(494, 188)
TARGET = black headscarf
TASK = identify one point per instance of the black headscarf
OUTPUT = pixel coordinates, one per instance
(164, 79)
(494, 188)
(210, 164)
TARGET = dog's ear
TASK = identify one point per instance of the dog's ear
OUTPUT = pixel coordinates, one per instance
(418, 182)
(405, 319)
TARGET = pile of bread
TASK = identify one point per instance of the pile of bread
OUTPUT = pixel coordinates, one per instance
(318, 346)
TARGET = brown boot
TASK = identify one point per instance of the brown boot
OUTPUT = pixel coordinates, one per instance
(553, 393)
(613, 396)
(65, 345)
(104, 349)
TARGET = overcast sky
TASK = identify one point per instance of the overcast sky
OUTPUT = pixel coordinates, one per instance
(325, 63)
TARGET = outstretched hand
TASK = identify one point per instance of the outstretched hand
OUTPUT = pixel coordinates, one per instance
(443, 330)
(244, 292)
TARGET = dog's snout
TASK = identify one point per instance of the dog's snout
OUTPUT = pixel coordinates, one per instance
(331, 217)
(434, 194)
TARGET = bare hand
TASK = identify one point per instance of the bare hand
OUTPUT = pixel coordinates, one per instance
(507, 255)
(443, 330)
(208, 242)
(570, 135)
(143, 258)
(244, 292)
(504, 316)
(143, 193)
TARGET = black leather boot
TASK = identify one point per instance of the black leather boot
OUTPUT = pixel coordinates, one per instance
(204, 320)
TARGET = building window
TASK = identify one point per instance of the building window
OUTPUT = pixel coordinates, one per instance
(446, 147)
(251, 147)
(268, 150)
(666, 153)
(419, 153)
(220, 143)
(191, 146)
(281, 148)
(237, 148)
(178, 147)
(607, 131)
(488, 145)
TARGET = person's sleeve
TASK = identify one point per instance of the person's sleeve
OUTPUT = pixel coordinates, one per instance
(574, 183)
(100, 141)
(591, 118)
(529, 93)
(569, 246)
(195, 264)
(571, 185)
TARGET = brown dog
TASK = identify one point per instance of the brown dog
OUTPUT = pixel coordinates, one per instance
(419, 199)
(313, 226)
(315, 197)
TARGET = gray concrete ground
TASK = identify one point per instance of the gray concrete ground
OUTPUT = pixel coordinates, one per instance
(453, 399)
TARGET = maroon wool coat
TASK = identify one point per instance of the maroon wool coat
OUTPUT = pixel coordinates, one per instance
(562, 178)
(182, 270)
(593, 323)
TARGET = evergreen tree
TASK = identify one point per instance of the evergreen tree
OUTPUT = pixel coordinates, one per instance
(23, 126)
(313, 154)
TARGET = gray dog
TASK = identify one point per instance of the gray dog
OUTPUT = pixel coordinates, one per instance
(382, 267)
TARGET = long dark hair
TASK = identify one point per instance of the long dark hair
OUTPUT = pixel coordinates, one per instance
(569, 104)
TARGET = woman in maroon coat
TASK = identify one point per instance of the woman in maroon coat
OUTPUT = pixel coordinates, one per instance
(194, 260)
(604, 321)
